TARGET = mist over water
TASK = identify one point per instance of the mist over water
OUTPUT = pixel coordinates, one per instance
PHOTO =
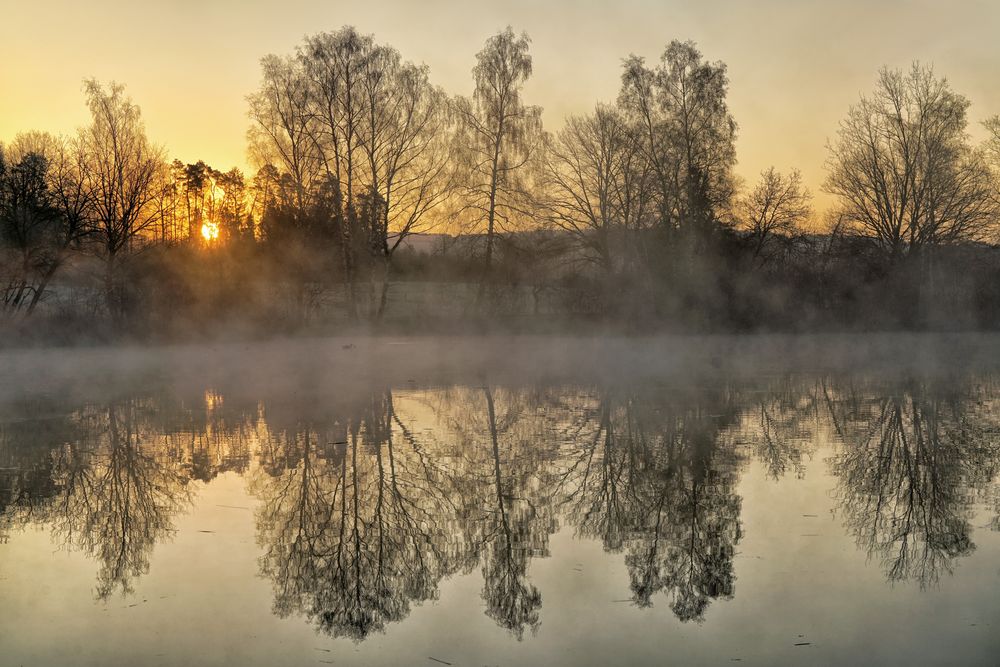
(514, 501)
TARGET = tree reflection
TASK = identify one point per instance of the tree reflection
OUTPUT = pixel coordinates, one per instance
(911, 458)
(775, 426)
(117, 497)
(514, 530)
(26, 479)
(368, 501)
(659, 485)
(354, 525)
(107, 480)
(507, 451)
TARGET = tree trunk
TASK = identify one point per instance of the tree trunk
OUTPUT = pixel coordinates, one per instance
(491, 216)
(37, 296)
(109, 289)
(15, 301)
(347, 247)
(384, 298)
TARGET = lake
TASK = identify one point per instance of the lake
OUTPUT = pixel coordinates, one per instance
(517, 501)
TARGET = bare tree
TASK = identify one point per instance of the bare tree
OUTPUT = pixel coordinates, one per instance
(333, 65)
(992, 151)
(405, 140)
(372, 132)
(279, 134)
(497, 138)
(688, 134)
(596, 184)
(73, 199)
(777, 206)
(121, 170)
(903, 169)
(992, 126)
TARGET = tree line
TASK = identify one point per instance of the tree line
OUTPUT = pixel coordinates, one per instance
(631, 212)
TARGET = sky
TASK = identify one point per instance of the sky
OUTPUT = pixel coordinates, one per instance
(795, 66)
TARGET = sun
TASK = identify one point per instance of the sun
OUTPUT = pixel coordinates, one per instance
(210, 231)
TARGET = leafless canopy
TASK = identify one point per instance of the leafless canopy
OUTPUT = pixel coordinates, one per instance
(777, 205)
(353, 124)
(498, 135)
(596, 184)
(903, 168)
(121, 166)
(687, 133)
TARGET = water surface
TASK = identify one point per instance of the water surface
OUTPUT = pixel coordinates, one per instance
(518, 502)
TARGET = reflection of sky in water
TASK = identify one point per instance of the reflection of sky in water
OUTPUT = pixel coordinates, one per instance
(805, 518)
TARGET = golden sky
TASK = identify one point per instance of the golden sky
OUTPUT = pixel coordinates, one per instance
(795, 65)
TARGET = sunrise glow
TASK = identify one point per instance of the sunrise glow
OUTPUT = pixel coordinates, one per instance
(210, 231)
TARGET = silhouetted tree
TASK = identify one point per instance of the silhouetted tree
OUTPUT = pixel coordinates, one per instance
(234, 218)
(498, 137)
(902, 167)
(121, 169)
(775, 209)
(28, 227)
(687, 135)
(597, 187)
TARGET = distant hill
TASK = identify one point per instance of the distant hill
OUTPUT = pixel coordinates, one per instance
(426, 243)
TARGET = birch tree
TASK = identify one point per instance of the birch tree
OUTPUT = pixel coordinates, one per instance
(688, 135)
(499, 133)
